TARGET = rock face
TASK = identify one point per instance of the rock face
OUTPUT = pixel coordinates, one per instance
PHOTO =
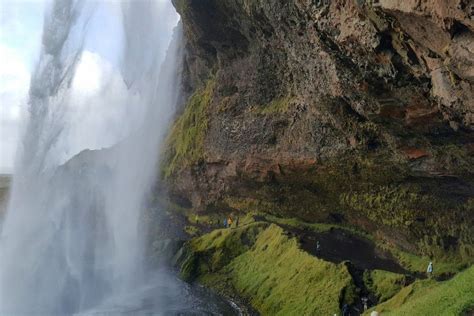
(350, 111)
(5, 184)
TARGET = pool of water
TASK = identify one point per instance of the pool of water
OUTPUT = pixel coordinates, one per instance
(165, 294)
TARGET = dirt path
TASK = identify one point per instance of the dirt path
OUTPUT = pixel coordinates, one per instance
(337, 245)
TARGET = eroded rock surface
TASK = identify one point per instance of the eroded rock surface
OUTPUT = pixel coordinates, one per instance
(357, 112)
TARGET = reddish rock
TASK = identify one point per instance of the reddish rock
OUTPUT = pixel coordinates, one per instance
(415, 153)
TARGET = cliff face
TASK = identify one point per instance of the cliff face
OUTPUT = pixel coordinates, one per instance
(353, 112)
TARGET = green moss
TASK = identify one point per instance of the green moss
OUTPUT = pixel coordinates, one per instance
(454, 159)
(395, 206)
(316, 227)
(383, 284)
(442, 265)
(428, 297)
(279, 105)
(262, 265)
(216, 249)
(182, 6)
(281, 279)
(185, 143)
(191, 230)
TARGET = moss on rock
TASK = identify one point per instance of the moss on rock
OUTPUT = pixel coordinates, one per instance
(281, 279)
(384, 284)
(185, 143)
(428, 297)
(264, 266)
(278, 105)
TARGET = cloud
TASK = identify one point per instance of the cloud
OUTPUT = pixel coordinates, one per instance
(89, 74)
(20, 33)
(14, 82)
(100, 111)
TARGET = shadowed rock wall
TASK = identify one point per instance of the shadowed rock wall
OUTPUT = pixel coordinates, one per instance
(358, 112)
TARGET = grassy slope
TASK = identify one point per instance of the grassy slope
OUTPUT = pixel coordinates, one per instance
(262, 265)
(281, 279)
(428, 297)
(443, 265)
(383, 284)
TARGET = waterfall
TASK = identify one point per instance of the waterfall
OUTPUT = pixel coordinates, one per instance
(72, 236)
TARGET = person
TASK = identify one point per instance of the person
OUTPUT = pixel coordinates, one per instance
(229, 221)
(429, 270)
(225, 223)
(345, 310)
(365, 302)
(318, 246)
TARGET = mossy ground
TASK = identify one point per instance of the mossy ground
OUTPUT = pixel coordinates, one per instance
(267, 268)
(428, 297)
(383, 284)
(281, 279)
(260, 264)
(444, 265)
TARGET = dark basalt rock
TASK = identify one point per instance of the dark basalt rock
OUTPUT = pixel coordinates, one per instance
(356, 110)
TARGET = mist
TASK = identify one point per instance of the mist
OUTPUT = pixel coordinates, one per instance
(72, 240)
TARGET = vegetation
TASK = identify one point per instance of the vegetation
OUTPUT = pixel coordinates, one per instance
(279, 105)
(262, 264)
(428, 297)
(281, 279)
(383, 284)
(454, 158)
(444, 265)
(211, 252)
(185, 143)
(382, 203)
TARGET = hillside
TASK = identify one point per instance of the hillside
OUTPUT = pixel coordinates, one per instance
(355, 115)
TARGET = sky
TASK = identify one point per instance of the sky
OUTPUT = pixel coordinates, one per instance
(20, 32)
(89, 115)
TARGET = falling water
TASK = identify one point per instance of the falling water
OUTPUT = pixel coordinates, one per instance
(72, 239)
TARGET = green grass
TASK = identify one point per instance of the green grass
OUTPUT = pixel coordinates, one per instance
(428, 297)
(281, 279)
(316, 227)
(211, 252)
(185, 143)
(259, 263)
(416, 263)
(383, 284)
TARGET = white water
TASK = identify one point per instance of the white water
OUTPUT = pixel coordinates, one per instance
(71, 241)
